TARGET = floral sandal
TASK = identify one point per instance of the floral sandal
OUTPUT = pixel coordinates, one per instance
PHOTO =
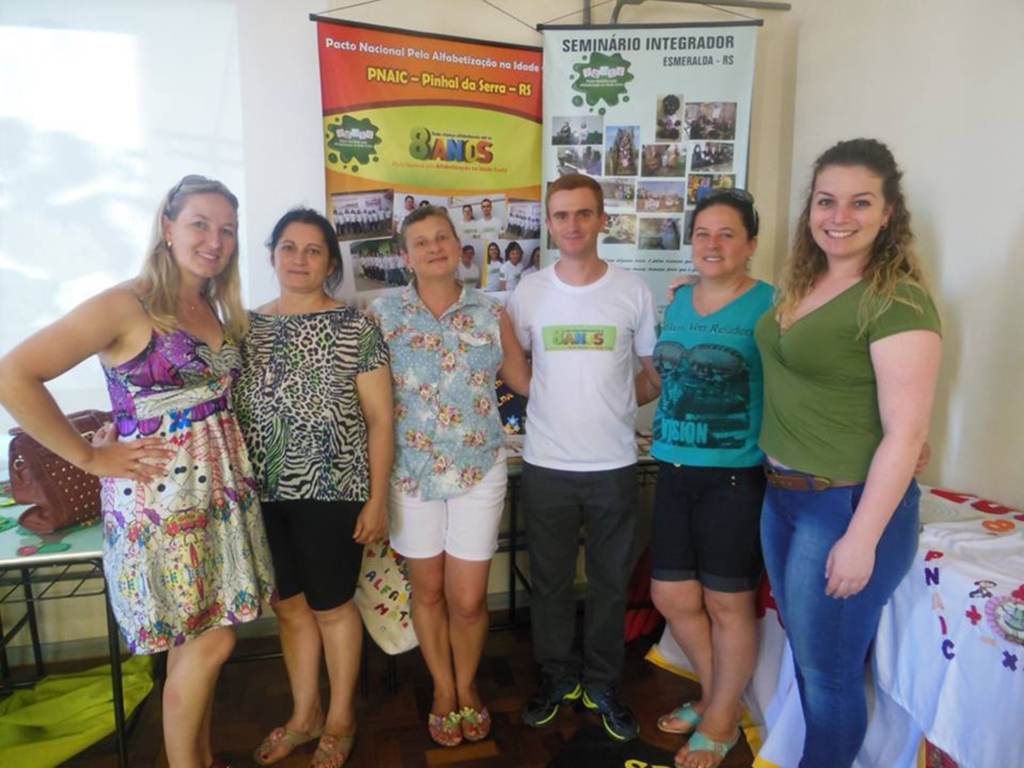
(283, 737)
(333, 751)
(445, 730)
(476, 726)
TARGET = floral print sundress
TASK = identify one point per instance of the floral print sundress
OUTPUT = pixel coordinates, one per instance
(187, 551)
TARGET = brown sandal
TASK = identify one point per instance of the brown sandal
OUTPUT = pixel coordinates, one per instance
(333, 751)
(286, 737)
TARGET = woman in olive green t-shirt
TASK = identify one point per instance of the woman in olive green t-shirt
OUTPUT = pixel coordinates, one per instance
(851, 355)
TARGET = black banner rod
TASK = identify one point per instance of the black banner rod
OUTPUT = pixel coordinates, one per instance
(758, 4)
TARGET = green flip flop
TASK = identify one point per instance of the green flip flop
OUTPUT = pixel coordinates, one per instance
(686, 713)
(700, 743)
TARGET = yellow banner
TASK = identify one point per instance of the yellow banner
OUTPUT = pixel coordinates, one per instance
(453, 148)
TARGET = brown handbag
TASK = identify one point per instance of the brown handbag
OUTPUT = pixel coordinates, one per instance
(62, 494)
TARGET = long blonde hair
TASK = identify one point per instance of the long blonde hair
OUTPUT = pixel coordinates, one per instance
(160, 277)
(893, 261)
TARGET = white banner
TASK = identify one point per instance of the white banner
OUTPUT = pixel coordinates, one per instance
(660, 115)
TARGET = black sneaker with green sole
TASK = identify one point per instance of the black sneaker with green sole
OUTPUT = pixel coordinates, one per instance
(616, 717)
(543, 706)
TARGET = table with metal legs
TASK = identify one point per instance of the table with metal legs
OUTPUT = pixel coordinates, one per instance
(62, 566)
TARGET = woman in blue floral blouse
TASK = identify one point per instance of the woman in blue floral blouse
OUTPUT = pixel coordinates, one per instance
(447, 344)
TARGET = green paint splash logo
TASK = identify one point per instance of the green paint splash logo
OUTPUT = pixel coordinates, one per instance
(602, 78)
(352, 142)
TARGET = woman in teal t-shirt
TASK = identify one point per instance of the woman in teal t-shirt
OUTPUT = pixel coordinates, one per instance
(705, 542)
(851, 356)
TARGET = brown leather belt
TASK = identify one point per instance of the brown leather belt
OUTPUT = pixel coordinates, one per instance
(798, 481)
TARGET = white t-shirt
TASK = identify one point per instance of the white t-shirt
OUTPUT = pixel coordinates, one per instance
(510, 274)
(493, 276)
(466, 230)
(581, 415)
(488, 229)
(470, 274)
(400, 214)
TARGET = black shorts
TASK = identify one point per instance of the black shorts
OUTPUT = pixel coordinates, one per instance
(313, 550)
(707, 526)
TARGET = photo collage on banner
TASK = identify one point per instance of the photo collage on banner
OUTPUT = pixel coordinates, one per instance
(660, 116)
(413, 119)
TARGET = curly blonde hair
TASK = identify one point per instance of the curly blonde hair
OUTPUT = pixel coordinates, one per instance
(893, 261)
(160, 277)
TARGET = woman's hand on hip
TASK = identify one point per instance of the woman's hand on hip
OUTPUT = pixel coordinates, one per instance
(849, 566)
(141, 460)
(372, 523)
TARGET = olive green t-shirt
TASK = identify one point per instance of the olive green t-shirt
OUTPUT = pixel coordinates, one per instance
(820, 396)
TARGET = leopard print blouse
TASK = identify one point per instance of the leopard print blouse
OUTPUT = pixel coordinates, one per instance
(298, 405)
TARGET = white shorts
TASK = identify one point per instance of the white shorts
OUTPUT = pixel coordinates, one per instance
(464, 526)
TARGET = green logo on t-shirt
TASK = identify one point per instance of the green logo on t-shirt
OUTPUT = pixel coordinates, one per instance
(599, 338)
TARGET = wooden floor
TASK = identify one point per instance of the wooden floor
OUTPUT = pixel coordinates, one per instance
(253, 697)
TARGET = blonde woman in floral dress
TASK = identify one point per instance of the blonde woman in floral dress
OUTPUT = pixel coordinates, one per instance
(184, 551)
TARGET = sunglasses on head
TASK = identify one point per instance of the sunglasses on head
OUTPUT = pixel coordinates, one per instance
(186, 181)
(732, 193)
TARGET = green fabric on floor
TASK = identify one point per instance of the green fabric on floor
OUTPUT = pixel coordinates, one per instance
(63, 714)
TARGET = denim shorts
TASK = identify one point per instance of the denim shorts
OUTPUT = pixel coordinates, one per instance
(707, 526)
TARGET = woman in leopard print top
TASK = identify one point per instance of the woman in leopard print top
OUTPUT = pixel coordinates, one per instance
(314, 402)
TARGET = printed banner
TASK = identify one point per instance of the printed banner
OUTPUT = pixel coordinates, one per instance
(660, 115)
(412, 119)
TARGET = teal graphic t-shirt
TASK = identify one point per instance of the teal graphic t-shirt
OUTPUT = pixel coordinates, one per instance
(712, 385)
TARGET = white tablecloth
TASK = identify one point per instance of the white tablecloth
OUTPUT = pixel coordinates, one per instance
(948, 662)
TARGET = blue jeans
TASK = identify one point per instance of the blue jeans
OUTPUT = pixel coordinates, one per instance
(830, 637)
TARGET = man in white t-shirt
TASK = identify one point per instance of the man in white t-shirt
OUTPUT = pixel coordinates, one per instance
(469, 270)
(584, 321)
(465, 227)
(488, 226)
(408, 206)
